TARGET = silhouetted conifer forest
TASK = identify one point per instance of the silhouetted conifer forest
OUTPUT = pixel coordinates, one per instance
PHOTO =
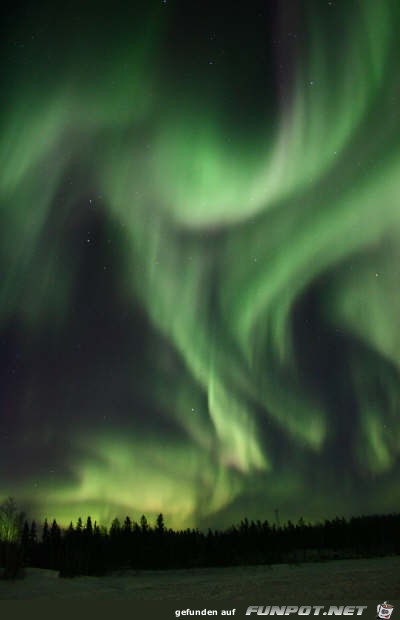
(84, 548)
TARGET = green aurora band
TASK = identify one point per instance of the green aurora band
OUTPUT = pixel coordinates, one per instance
(227, 231)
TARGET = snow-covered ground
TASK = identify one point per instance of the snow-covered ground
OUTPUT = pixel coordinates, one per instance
(377, 578)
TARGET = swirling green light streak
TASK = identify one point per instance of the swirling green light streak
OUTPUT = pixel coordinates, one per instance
(318, 190)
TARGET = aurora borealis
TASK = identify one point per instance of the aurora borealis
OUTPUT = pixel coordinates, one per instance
(200, 281)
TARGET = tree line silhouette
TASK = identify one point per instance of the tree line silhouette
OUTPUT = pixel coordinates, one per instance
(88, 549)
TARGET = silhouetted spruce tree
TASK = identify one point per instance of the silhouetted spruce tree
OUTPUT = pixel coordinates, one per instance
(159, 547)
(88, 527)
(127, 527)
(86, 547)
(115, 543)
(45, 533)
(29, 544)
(69, 560)
(54, 546)
(144, 525)
(33, 533)
(25, 541)
(79, 526)
(44, 551)
(11, 530)
(115, 528)
(160, 526)
(33, 544)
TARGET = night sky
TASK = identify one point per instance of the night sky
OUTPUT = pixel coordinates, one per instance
(200, 259)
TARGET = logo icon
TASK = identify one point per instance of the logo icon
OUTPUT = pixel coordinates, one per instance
(384, 610)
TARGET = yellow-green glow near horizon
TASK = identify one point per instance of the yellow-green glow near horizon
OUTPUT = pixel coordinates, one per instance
(226, 231)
